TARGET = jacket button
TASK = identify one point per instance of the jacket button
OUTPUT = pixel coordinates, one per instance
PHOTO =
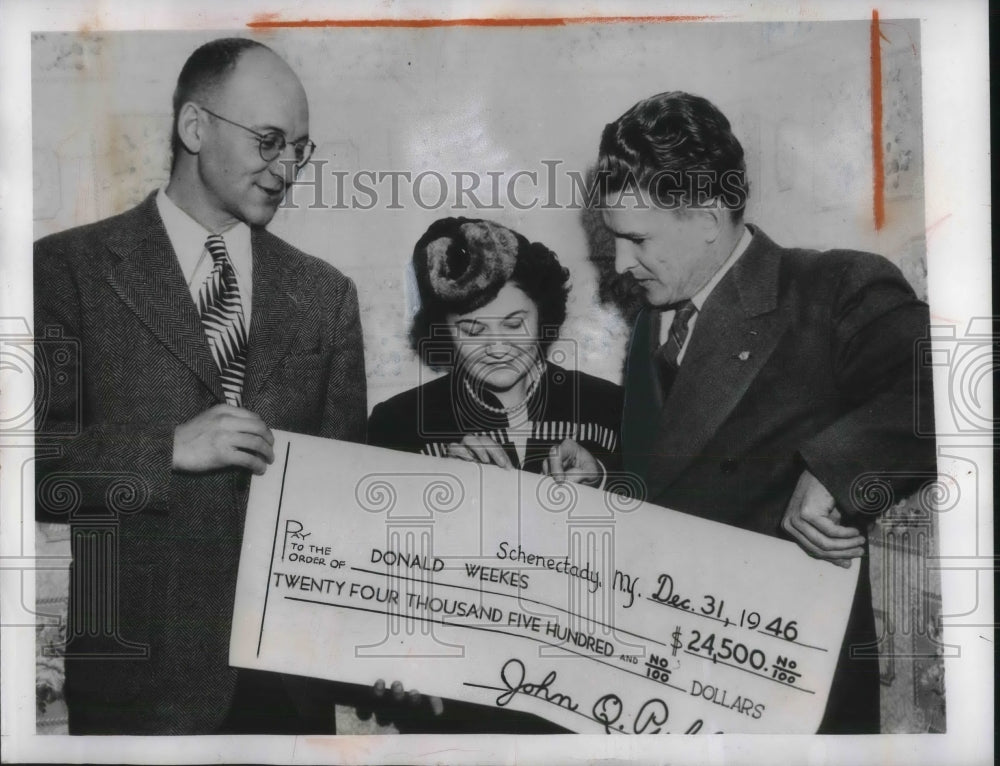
(728, 466)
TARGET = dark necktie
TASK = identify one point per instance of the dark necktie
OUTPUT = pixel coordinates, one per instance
(665, 357)
(222, 317)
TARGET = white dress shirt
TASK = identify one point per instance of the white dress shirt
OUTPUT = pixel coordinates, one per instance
(188, 237)
(701, 296)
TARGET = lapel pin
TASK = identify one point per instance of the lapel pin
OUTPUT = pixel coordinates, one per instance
(743, 356)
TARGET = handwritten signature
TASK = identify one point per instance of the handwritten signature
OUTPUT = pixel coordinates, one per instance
(608, 710)
(651, 718)
(512, 676)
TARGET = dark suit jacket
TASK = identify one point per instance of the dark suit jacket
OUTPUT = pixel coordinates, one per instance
(428, 418)
(799, 360)
(114, 293)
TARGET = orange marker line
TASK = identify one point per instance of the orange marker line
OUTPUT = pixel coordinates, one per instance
(272, 21)
(878, 165)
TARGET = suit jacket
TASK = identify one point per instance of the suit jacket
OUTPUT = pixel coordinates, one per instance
(799, 360)
(160, 546)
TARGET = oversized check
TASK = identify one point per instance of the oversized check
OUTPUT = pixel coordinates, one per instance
(600, 613)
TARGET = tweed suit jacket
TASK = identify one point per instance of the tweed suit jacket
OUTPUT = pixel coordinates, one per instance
(799, 360)
(115, 291)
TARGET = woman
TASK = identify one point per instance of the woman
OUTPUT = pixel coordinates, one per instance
(491, 305)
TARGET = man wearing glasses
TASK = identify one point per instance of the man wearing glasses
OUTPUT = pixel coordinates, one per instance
(198, 332)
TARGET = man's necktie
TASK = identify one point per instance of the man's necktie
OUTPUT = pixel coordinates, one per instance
(222, 317)
(665, 357)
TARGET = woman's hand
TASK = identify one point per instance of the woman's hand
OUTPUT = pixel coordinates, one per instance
(568, 461)
(479, 449)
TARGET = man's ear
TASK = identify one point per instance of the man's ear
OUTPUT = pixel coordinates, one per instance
(712, 218)
(189, 127)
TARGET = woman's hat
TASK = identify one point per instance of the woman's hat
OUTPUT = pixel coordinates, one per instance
(460, 261)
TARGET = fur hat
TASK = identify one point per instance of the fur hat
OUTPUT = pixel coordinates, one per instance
(464, 262)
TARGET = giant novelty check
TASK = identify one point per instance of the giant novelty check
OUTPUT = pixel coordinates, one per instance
(600, 613)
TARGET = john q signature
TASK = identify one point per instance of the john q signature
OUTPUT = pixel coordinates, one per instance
(607, 710)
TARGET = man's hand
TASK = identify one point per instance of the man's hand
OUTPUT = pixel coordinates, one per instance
(399, 701)
(479, 449)
(813, 520)
(223, 437)
(568, 461)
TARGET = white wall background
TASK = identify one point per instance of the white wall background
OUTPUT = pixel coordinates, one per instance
(501, 100)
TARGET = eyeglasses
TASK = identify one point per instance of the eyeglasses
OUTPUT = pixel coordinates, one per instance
(271, 145)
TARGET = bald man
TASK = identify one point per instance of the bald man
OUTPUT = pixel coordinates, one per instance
(198, 332)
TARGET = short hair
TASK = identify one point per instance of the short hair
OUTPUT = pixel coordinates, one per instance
(536, 270)
(675, 147)
(204, 71)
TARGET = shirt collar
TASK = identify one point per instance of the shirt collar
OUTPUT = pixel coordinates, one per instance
(187, 237)
(701, 296)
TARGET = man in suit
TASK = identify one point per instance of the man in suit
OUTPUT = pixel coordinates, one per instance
(197, 333)
(765, 387)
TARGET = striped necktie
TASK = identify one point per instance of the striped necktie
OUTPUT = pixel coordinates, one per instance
(666, 355)
(222, 317)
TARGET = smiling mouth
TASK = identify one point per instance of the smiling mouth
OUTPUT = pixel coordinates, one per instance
(506, 364)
